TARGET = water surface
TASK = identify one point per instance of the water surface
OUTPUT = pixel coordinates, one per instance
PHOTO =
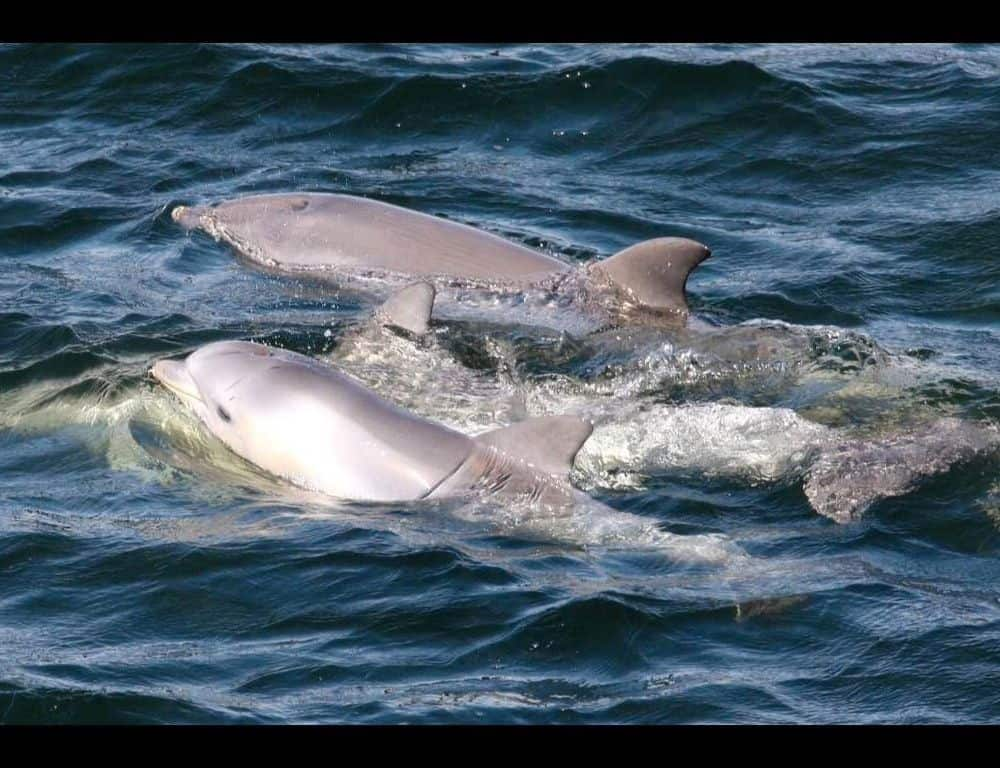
(146, 575)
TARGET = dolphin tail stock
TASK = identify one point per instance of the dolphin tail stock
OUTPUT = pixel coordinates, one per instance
(653, 274)
(409, 308)
(849, 477)
(188, 216)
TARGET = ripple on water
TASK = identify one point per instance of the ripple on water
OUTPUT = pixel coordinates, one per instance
(149, 575)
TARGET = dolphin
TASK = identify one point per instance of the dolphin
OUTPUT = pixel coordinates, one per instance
(628, 300)
(307, 423)
(316, 427)
(644, 283)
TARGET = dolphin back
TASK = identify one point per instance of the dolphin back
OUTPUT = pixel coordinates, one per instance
(322, 231)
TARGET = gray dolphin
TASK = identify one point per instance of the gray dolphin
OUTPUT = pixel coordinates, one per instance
(309, 231)
(310, 424)
(643, 285)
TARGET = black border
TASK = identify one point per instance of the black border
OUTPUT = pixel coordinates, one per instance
(488, 23)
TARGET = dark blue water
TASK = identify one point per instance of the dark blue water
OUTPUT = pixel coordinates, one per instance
(147, 576)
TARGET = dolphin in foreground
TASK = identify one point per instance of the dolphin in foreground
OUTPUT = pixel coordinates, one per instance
(642, 284)
(308, 423)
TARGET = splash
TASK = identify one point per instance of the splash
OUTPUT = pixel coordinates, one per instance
(758, 445)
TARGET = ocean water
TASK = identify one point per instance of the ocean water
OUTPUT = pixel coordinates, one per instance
(850, 198)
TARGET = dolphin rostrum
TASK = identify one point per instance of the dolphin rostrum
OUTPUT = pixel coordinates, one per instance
(316, 427)
(311, 231)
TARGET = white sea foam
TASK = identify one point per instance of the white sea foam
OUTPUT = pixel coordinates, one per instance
(759, 445)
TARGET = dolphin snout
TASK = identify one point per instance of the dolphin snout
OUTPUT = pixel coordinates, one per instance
(175, 377)
(186, 215)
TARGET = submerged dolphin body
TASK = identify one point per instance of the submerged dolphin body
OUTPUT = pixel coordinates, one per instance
(847, 478)
(311, 231)
(310, 424)
(842, 474)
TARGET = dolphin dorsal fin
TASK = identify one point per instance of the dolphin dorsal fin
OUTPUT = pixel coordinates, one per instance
(410, 308)
(654, 272)
(548, 443)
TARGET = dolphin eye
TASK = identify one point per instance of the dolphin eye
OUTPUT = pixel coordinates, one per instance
(300, 205)
(223, 413)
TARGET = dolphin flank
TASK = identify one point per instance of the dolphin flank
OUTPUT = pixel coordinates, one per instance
(310, 424)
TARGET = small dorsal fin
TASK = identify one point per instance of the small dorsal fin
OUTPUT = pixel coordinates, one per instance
(654, 272)
(548, 443)
(410, 308)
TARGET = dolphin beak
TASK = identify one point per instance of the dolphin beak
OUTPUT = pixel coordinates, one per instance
(175, 377)
(187, 216)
